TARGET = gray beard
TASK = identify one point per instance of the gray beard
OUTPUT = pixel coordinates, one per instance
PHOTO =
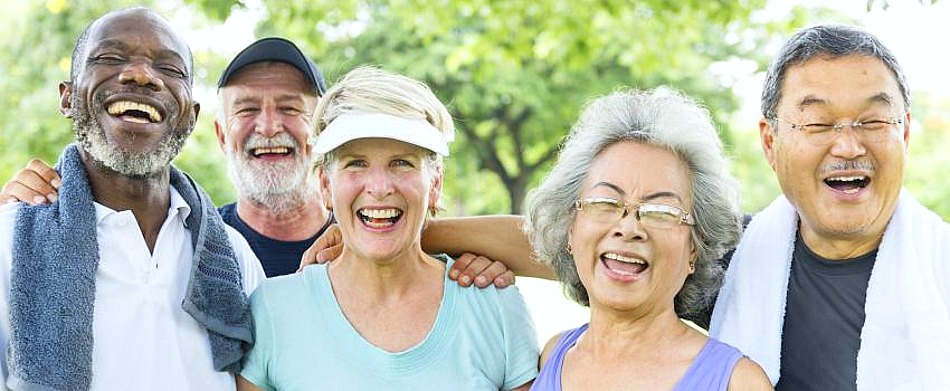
(92, 139)
(281, 187)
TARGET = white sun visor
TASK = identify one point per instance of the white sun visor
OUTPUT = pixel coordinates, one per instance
(358, 125)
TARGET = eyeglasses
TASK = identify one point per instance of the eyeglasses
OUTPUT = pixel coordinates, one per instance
(651, 215)
(873, 130)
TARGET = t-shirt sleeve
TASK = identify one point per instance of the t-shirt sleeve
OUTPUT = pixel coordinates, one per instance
(258, 359)
(521, 341)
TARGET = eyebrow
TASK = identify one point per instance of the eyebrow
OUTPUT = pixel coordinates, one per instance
(811, 100)
(120, 45)
(648, 197)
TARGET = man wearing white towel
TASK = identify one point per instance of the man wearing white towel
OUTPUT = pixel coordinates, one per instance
(843, 282)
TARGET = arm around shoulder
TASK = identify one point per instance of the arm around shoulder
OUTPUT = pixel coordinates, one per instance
(747, 375)
(499, 238)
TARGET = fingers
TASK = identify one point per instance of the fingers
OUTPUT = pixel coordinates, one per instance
(460, 269)
(471, 269)
(16, 191)
(309, 258)
(49, 175)
(505, 280)
(330, 253)
(326, 248)
(37, 183)
(493, 271)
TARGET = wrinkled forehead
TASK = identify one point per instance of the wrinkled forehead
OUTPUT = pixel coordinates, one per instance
(140, 29)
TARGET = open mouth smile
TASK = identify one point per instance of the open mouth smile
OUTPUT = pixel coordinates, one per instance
(136, 112)
(848, 184)
(624, 265)
(379, 218)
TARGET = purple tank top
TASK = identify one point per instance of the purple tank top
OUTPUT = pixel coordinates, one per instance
(709, 371)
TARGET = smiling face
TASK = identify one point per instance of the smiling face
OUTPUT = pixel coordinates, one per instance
(266, 110)
(623, 265)
(846, 190)
(380, 190)
(130, 99)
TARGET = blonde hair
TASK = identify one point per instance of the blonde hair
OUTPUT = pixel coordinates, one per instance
(373, 90)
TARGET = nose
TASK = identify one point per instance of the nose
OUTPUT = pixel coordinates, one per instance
(629, 227)
(269, 121)
(847, 144)
(142, 74)
(378, 184)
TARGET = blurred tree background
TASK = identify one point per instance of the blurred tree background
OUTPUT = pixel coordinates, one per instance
(514, 74)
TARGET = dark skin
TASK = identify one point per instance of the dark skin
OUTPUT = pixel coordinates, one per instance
(133, 55)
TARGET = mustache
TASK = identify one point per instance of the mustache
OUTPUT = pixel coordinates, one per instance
(282, 139)
(847, 165)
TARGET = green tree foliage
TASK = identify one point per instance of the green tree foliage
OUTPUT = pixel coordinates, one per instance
(515, 74)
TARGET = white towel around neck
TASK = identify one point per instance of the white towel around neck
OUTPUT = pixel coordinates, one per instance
(905, 341)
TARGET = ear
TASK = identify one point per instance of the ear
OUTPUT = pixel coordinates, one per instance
(195, 109)
(907, 119)
(65, 99)
(435, 191)
(767, 138)
(325, 187)
(692, 260)
(219, 131)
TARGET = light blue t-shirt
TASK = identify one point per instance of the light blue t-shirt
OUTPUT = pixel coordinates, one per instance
(482, 339)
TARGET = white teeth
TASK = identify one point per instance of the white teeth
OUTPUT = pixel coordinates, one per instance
(621, 258)
(280, 150)
(380, 213)
(122, 106)
(847, 178)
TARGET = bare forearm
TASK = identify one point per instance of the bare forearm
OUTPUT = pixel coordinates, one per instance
(498, 237)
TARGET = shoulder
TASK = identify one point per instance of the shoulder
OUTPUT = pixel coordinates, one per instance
(747, 375)
(550, 347)
(227, 209)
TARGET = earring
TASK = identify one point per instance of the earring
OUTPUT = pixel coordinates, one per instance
(568, 247)
(692, 266)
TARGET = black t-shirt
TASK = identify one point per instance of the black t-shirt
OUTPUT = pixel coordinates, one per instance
(277, 257)
(824, 314)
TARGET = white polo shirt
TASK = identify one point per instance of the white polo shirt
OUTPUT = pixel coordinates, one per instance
(144, 340)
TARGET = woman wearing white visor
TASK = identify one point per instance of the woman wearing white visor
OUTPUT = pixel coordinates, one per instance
(384, 315)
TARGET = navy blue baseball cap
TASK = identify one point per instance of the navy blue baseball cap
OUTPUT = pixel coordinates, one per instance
(275, 49)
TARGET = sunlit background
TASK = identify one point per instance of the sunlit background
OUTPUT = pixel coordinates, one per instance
(33, 56)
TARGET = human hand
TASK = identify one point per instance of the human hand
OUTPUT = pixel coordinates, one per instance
(325, 249)
(37, 183)
(469, 268)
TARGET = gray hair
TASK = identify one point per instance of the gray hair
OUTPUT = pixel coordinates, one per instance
(660, 117)
(826, 41)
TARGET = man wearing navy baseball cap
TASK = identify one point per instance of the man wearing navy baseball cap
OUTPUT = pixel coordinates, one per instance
(266, 96)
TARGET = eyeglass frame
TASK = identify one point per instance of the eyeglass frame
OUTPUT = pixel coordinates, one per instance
(858, 126)
(685, 217)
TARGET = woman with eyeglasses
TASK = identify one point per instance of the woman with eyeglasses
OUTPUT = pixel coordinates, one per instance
(631, 218)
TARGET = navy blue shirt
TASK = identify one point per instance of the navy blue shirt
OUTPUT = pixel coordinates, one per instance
(278, 257)
(824, 314)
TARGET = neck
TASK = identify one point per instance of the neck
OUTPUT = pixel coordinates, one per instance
(840, 247)
(614, 332)
(147, 198)
(386, 281)
(297, 224)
